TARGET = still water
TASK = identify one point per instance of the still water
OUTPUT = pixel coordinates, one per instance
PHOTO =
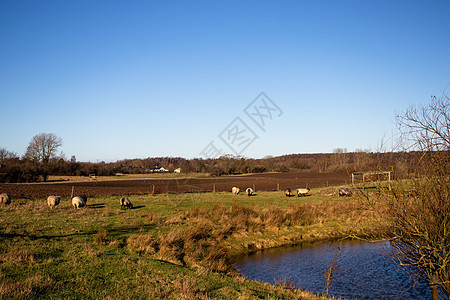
(364, 272)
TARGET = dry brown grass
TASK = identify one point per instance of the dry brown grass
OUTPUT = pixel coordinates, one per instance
(18, 255)
(143, 244)
(256, 219)
(286, 284)
(171, 248)
(100, 237)
(31, 287)
(154, 218)
(188, 289)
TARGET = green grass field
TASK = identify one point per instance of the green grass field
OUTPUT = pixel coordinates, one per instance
(176, 246)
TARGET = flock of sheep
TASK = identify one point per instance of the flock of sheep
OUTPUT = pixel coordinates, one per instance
(288, 192)
(80, 201)
(343, 191)
(125, 203)
(77, 201)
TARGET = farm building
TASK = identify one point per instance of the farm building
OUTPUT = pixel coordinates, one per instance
(159, 169)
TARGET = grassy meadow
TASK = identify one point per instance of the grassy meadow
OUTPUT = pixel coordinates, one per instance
(175, 246)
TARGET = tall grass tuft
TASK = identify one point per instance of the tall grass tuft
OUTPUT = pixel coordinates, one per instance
(100, 237)
(286, 283)
(143, 244)
(171, 248)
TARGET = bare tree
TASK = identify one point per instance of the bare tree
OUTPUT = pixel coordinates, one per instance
(43, 147)
(418, 209)
(5, 154)
(426, 128)
(340, 156)
(330, 273)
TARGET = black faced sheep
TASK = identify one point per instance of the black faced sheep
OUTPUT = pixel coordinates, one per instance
(53, 201)
(288, 192)
(5, 198)
(343, 191)
(125, 203)
(249, 191)
(235, 190)
(78, 202)
(84, 197)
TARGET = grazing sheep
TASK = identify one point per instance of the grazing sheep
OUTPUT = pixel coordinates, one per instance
(302, 191)
(288, 192)
(78, 202)
(125, 203)
(235, 190)
(5, 198)
(343, 191)
(84, 197)
(249, 191)
(53, 201)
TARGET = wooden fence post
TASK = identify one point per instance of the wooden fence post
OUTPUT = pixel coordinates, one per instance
(389, 179)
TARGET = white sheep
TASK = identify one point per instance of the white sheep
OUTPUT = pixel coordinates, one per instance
(302, 191)
(5, 198)
(235, 190)
(53, 201)
(249, 191)
(125, 203)
(78, 202)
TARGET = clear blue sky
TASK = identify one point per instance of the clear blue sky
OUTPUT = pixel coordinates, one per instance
(133, 79)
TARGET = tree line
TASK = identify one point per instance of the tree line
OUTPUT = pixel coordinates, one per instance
(41, 160)
(37, 167)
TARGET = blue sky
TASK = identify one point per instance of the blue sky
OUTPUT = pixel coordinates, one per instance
(118, 79)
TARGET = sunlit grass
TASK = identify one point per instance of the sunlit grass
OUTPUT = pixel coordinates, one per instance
(168, 246)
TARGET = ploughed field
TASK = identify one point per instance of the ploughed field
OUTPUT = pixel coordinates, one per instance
(183, 184)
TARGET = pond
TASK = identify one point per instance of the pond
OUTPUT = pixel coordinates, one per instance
(363, 271)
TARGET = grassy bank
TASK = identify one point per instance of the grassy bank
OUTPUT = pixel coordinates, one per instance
(168, 247)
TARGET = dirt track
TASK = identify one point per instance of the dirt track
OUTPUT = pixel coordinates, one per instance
(262, 182)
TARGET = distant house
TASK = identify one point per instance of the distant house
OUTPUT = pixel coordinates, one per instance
(177, 170)
(158, 169)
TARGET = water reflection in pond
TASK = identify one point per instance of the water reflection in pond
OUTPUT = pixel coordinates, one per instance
(364, 273)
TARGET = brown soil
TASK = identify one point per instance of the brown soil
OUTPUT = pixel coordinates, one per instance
(261, 182)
